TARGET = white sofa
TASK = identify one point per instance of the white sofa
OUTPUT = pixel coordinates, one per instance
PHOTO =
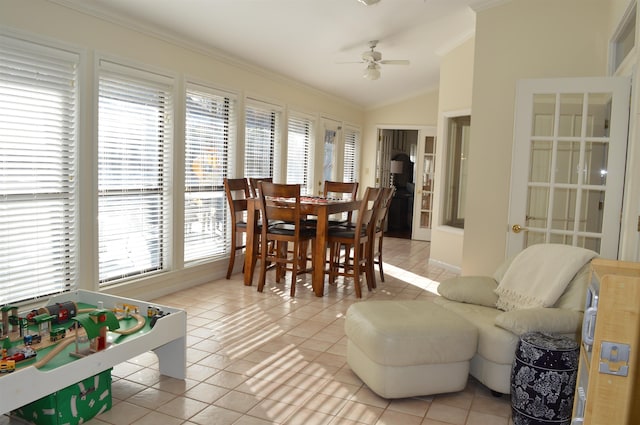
(473, 298)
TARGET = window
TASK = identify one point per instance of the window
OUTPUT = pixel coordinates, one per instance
(210, 132)
(351, 142)
(298, 147)
(456, 171)
(262, 137)
(624, 39)
(134, 139)
(38, 175)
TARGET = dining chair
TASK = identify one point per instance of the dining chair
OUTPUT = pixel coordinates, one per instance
(341, 190)
(356, 237)
(380, 224)
(255, 181)
(237, 192)
(336, 190)
(280, 206)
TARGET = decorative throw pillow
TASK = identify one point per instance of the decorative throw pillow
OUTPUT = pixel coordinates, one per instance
(470, 289)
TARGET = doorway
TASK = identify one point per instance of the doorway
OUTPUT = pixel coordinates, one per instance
(396, 167)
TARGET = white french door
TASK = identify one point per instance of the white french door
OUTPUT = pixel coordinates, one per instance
(567, 178)
(423, 206)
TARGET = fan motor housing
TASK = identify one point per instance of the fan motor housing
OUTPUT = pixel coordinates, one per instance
(371, 56)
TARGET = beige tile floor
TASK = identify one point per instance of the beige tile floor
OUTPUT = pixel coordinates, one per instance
(265, 358)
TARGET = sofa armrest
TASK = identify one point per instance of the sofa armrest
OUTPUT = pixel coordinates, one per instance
(553, 320)
(470, 289)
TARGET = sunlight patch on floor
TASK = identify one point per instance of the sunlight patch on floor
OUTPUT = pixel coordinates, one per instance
(420, 281)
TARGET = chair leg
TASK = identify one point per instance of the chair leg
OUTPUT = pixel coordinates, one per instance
(380, 259)
(357, 255)
(369, 265)
(297, 251)
(232, 256)
(370, 272)
(333, 259)
(263, 270)
(281, 249)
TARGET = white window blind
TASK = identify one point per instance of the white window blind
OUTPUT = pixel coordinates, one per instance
(262, 136)
(349, 166)
(134, 139)
(38, 130)
(300, 130)
(210, 133)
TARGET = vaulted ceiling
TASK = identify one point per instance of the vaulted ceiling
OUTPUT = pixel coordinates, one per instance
(306, 40)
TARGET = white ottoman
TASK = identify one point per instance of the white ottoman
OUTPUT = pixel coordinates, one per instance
(409, 348)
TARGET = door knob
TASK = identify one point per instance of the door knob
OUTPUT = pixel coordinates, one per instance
(516, 228)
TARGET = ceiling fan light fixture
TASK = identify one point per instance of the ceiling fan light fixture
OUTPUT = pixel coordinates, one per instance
(368, 2)
(371, 72)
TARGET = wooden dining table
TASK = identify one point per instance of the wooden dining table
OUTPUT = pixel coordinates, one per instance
(322, 208)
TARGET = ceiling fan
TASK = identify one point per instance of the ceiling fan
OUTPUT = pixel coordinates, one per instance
(373, 59)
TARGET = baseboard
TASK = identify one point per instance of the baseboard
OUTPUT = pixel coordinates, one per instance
(446, 266)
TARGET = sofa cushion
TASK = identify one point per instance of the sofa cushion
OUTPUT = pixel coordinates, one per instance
(470, 289)
(495, 344)
(552, 320)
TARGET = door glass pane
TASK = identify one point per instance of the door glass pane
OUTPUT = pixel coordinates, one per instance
(429, 144)
(570, 115)
(596, 157)
(589, 243)
(329, 147)
(540, 170)
(591, 211)
(567, 162)
(599, 112)
(533, 238)
(425, 220)
(544, 106)
(561, 239)
(564, 206)
(426, 201)
(538, 204)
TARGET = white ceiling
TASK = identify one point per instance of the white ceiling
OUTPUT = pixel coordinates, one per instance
(304, 39)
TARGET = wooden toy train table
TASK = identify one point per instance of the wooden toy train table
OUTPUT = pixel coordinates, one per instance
(167, 339)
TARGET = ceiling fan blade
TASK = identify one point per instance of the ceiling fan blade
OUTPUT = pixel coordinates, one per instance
(394, 62)
(347, 62)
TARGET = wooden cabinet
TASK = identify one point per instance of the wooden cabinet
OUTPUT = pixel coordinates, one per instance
(608, 378)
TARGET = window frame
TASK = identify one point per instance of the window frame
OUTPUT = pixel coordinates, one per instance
(219, 220)
(165, 87)
(351, 149)
(49, 181)
(275, 144)
(456, 159)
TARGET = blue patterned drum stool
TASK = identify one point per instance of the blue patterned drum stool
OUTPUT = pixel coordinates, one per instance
(543, 379)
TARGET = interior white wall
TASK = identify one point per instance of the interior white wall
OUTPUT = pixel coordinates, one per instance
(456, 81)
(58, 24)
(519, 39)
